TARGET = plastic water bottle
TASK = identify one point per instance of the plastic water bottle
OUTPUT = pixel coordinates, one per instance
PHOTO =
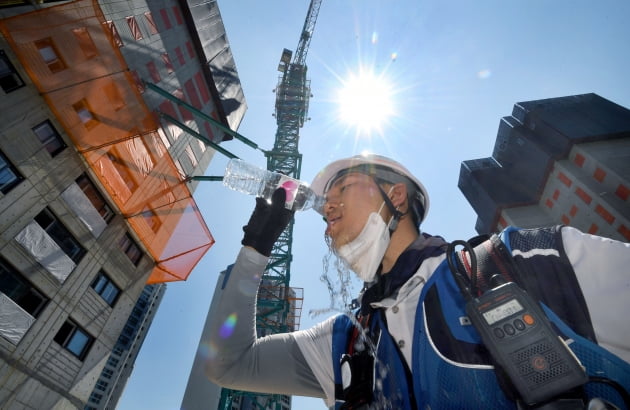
(247, 178)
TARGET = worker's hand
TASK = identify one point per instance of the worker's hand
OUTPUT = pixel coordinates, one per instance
(267, 223)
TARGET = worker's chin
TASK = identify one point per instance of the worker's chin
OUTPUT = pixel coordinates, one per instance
(333, 243)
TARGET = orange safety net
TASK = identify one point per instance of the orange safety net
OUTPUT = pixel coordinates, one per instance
(78, 69)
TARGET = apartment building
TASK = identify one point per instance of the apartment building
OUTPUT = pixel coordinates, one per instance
(562, 160)
(98, 108)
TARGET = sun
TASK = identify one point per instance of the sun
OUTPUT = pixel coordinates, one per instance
(365, 102)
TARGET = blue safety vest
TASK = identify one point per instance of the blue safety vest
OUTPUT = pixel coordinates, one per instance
(438, 382)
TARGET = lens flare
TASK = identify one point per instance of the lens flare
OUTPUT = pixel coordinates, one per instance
(207, 350)
(228, 326)
(484, 74)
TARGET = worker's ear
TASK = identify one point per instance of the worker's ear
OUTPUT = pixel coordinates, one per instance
(398, 196)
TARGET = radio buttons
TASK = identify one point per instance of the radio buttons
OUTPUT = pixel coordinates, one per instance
(498, 332)
(519, 325)
(509, 329)
(528, 319)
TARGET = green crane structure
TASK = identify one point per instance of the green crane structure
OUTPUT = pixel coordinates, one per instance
(279, 305)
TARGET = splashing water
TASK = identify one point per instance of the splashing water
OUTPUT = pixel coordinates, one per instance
(341, 283)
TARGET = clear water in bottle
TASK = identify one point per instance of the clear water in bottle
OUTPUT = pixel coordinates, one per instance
(247, 178)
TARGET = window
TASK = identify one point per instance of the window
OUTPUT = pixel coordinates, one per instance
(201, 85)
(128, 330)
(86, 115)
(133, 26)
(131, 249)
(153, 72)
(165, 19)
(191, 51)
(10, 80)
(16, 287)
(113, 362)
(151, 218)
(107, 373)
(101, 385)
(113, 95)
(138, 81)
(154, 144)
(104, 286)
(191, 156)
(178, 15)
(60, 234)
(95, 197)
(48, 51)
(96, 398)
(150, 22)
(123, 341)
(74, 339)
(186, 115)
(9, 176)
(192, 93)
(180, 170)
(85, 42)
(180, 55)
(167, 63)
(123, 171)
(113, 33)
(49, 137)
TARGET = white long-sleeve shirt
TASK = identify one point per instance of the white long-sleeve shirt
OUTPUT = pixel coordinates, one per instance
(300, 363)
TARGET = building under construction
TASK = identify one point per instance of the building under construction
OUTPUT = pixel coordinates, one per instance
(556, 161)
(98, 104)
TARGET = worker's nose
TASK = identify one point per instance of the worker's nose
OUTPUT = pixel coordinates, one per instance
(330, 205)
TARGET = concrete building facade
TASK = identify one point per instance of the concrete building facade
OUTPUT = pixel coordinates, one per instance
(94, 189)
(556, 161)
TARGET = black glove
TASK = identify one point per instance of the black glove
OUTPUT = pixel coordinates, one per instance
(267, 223)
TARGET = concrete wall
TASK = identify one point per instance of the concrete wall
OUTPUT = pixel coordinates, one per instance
(590, 190)
(37, 372)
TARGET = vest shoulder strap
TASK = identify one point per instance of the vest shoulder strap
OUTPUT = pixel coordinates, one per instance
(535, 260)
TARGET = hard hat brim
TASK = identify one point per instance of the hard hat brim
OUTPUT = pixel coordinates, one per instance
(322, 179)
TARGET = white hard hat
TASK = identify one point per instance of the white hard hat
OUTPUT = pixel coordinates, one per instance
(382, 168)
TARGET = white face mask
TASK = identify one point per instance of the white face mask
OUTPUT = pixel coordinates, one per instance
(365, 253)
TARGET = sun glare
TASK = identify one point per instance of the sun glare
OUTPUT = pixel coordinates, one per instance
(365, 102)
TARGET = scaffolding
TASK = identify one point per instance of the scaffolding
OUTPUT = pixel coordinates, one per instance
(79, 71)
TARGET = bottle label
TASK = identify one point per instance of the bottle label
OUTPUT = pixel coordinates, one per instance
(291, 186)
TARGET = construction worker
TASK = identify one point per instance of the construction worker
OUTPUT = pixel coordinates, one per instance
(410, 345)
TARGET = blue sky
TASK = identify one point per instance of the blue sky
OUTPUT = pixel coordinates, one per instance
(454, 69)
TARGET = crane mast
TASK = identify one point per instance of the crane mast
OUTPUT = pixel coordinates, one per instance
(307, 32)
(279, 305)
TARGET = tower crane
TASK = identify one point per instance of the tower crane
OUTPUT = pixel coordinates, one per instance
(278, 304)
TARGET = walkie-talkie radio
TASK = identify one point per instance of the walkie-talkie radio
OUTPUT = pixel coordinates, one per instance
(519, 337)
